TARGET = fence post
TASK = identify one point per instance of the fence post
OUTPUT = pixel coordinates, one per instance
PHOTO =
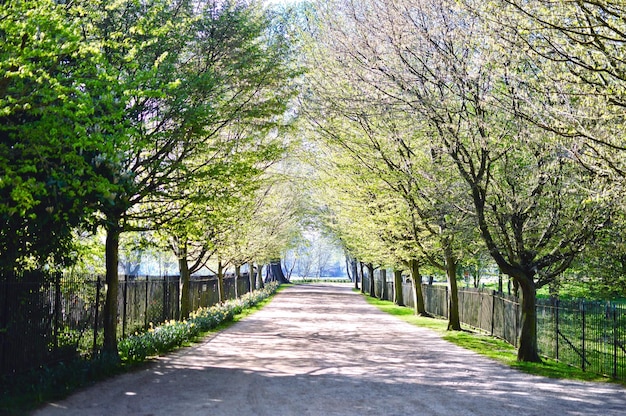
(615, 340)
(145, 310)
(165, 297)
(517, 319)
(57, 308)
(493, 310)
(124, 306)
(95, 324)
(583, 335)
(556, 325)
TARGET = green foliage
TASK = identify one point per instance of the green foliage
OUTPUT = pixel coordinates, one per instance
(158, 340)
(173, 334)
(46, 135)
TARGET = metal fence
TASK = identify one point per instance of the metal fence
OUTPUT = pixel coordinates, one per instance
(585, 334)
(46, 319)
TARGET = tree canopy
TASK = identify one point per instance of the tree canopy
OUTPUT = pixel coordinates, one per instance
(419, 133)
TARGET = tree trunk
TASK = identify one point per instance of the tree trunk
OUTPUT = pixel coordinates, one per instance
(237, 275)
(259, 276)
(528, 349)
(398, 297)
(383, 278)
(348, 269)
(355, 273)
(185, 277)
(370, 273)
(418, 295)
(251, 277)
(290, 271)
(362, 277)
(454, 321)
(220, 282)
(275, 272)
(112, 281)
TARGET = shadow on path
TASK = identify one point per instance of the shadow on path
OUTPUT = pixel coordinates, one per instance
(322, 350)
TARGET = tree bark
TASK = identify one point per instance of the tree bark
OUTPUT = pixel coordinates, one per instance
(370, 273)
(355, 273)
(528, 348)
(259, 276)
(362, 276)
(383, 278)
(112, 281)
(418, 295)
(398, 297)
(237, 275)
(275, 272)
(454, 321)
(220, 282)
(251, 277)
(185, 277)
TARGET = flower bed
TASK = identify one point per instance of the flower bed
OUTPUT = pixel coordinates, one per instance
(173, 334)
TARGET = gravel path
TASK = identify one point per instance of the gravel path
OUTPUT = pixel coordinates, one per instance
(322, 350)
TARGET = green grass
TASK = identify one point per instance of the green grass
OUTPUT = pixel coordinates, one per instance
(491, 347)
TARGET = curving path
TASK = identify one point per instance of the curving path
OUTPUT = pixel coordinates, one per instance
(322, 350)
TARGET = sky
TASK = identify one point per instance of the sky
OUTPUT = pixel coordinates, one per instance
(280, 1)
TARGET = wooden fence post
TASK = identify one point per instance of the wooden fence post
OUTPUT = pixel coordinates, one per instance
(145, 310)
(125, 294)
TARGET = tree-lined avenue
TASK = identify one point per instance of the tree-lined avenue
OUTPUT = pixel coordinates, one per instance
(322, 350)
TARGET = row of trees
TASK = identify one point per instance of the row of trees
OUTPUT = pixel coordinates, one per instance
(450, 129)
(447, 130)
(136, 116)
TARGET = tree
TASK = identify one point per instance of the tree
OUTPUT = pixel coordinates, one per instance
(277, 224)
(180, 74)
(527, 193)
(576, 47)
(392, 144)
(214, 218)
(439, 63)
(48, 88)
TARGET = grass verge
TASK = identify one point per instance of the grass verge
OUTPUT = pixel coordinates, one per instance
(488, 346)
(20, 394)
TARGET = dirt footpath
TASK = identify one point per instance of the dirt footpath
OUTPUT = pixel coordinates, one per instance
(322, 350)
